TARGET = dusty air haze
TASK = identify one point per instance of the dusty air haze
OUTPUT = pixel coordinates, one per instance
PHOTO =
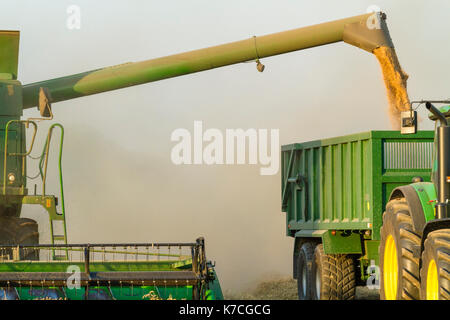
(120, 183)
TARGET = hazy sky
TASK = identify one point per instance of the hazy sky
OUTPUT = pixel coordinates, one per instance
(120, 182)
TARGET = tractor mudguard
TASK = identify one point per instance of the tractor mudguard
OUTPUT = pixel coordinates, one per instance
(420, 197)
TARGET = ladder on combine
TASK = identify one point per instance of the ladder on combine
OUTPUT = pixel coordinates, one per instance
(49, 202)
(55, 217)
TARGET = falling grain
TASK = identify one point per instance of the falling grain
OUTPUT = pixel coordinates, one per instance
(395, 81)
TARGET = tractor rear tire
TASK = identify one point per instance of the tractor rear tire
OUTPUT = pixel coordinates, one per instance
(399, 268)
(304, 266)
(435, 271)
(333, 276)
(15, 231)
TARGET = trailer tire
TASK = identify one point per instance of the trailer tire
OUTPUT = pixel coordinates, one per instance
(435, 271)
(333, 276)
(399, 267)
(304, 271)
(14, 231)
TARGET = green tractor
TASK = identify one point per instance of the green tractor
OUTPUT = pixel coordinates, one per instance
(334, 193)
(415, 236)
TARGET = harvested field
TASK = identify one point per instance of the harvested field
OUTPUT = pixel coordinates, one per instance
(286, 289)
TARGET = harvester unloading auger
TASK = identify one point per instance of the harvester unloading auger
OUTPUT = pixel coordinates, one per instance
(101, 265)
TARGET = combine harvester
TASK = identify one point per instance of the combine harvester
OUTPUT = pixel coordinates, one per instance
(29, 270)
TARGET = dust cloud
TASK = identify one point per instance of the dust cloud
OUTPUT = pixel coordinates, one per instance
(116, 195)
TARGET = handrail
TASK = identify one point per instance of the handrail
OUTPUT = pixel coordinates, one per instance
(44, 159)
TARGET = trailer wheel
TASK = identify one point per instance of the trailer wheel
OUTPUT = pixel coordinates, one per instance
(435, 271)
(399, 269)
(15, 231)
(333, 276)
(304, 266)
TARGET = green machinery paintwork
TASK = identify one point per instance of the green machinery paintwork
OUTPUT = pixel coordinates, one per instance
(103, 293)
(110, 271)
(344, 183)
(9, 54)
(124, 292)
(427, 196)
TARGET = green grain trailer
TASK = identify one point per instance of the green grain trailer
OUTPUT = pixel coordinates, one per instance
(363, 211)
(334, 194)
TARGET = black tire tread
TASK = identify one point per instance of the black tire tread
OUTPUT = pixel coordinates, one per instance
(437, 245)
(397, 212)
(306, 250)
(338, 276)
(14, 230)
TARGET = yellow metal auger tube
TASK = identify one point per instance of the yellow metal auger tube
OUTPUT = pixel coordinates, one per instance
(368, 32)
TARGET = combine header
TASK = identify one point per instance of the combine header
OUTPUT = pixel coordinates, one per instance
(123, 271)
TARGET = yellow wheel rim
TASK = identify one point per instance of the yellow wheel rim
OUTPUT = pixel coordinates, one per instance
(390, 269)
(432, 282)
